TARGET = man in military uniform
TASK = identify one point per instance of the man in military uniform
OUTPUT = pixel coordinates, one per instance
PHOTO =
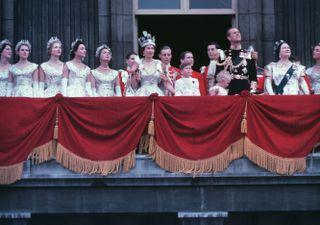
(241, 65)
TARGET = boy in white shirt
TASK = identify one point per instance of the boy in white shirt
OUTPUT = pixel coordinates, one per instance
(186, 85)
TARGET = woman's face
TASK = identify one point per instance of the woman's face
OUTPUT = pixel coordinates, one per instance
(285, 51)
(316, 52)
(131, 60)
(56, 49)
(6, 52)
(81, 51)
(105, 55)
(148, 51)
(23, 52)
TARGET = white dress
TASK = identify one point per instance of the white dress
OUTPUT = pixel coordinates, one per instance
(53, 78)
(150, 80)
(293, 85)
(77, 81)
(106, 82)
(187, 86)
(314, 80)
(23, 79)
(4, 75)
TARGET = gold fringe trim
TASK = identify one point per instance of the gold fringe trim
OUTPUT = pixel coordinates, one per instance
(42, 153)
(10, 174)
(216, 163)
(271, 162)
(244, 120)
(81, 165)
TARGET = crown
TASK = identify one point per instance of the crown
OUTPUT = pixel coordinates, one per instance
(23, 42)
(146, 39)
(100, 48)
(277, 44)
(51, 41)
(4, 42)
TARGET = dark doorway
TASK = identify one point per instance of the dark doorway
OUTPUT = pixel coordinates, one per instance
(192, 32)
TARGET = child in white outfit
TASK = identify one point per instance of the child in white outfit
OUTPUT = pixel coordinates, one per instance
(186, 85)
(223, 79)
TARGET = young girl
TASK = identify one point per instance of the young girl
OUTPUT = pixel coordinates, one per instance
(187, 85)
(223, 79)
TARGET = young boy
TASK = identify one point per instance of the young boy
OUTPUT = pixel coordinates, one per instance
(186, 85)
(223, 79)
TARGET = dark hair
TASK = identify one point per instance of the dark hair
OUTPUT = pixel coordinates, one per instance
(130, 54)
(4, 46)
(183, 65)
(228, 31)
(215, 44)
(144, 47)
(165, 47)
(277, 49)
(183, 54)
(75, 47)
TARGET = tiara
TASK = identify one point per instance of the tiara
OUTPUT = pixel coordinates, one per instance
(277, 44)
(51, 41)
(75, 42)
(146, 39)
(100, 48)
(4, 43)
(23, 42)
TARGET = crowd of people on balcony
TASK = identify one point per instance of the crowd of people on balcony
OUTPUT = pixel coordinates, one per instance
(229, 72)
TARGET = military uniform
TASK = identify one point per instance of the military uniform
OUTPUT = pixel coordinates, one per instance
(243, 70)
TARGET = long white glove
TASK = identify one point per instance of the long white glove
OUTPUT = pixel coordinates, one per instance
(94, 92)
(118, 90)
(35, 86)
(41, 89)
(89, 89)
(9, 89)
(64, 83)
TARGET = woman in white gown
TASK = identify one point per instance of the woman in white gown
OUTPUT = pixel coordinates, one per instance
(106, 79)
(23, 75)
(284, 77)
(151, 73)
(50, 72)
(6, 52)
(314, 71)
(77, 80)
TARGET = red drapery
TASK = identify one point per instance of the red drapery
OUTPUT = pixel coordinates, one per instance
(26, 129)
(282, 130)
(195, 134)
(188, 134)
(100, 135)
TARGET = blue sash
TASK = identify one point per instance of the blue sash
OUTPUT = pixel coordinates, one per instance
(279, 89)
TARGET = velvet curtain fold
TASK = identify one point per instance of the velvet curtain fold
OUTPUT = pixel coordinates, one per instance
(187, 134)
(282, 130)
(195, 134)
(100, 135)
(26, 130)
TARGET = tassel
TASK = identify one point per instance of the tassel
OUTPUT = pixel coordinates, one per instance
(151, 128)
(244, 128)
(244, 125)
(55, 132)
